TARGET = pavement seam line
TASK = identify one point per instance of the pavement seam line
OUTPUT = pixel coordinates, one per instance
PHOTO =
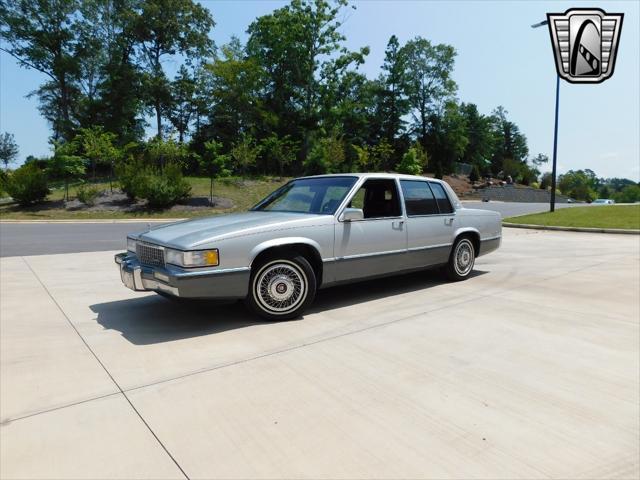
(105, 369)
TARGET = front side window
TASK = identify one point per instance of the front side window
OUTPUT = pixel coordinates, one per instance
(418, 198)
(444, 205)
(378, 198)
(308, 195)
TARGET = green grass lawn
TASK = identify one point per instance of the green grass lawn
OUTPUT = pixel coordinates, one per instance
(612, 216)
(243, 193)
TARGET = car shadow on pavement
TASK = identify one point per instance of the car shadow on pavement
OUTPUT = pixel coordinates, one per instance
(153, 319)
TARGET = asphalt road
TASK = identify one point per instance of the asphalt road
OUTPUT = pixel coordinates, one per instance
(19, 239)
(529, 369)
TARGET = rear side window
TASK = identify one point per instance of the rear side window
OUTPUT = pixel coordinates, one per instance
(441, 197)
(418, 198)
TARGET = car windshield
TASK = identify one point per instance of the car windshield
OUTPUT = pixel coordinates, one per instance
(322, 195)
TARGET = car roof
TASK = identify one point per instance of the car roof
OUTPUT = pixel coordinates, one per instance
(375, 175)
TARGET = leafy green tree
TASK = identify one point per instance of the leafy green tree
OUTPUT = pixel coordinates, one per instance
(8, 149)
(159, 152)
(508, 141)
(480, 137)
(181, 108)
(628, 194)
(326, 156)
(280, 152)
(577, 184)
(244, 153)
(66, 165)
(98, 146)
(446, 138)
(604, 192)
(169, 27)
(300, 48)
(236, 81)
(41, 35)
(215, 163)
(411, 163)
(429, 84)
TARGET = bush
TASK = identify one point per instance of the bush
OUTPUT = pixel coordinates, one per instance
(27, 185)
(411, 163)
(629, 194)
(87, 195)
(164, 188)
(131, 177)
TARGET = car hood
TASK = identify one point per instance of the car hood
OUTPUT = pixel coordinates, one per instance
(197, 232)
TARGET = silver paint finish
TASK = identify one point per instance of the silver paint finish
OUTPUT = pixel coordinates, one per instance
(349, 250)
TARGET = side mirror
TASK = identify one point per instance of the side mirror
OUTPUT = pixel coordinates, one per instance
(352, 215)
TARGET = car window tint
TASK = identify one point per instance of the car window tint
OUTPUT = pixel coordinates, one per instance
(441, 197)
(333, 197)
(378, 198)
(418, 198)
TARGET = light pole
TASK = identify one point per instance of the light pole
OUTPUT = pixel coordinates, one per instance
(552, 206)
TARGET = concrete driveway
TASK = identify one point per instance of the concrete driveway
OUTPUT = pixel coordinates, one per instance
(530, 369)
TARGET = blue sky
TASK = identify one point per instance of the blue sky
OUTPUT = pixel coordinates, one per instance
(501, 61)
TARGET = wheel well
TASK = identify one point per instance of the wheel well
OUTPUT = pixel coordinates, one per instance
(474, 237)
(307, 251)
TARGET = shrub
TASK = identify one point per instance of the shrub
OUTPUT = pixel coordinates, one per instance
(131, 177)
(27, 185)
(629, 194)
(87, 195)
(410, 163)
(164, 188)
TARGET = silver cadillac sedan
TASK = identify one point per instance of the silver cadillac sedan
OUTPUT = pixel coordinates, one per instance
(311, 233)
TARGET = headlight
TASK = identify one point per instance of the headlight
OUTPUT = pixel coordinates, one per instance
(131, 245)
(199, 258)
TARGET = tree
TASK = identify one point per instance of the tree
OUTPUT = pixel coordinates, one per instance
(245, 153)
(394, 103)
(301, 50)
(411, 163)
(42, 35)
(64, 164)
(169, 27)
(446, 139)
(181, 106)
(280, 152)
(429, 83)
(508, 141)
(8, 149)
(326, 156)
(480, 137)
(629, 194)
(577, 184)
(214, 163)
(98, 146)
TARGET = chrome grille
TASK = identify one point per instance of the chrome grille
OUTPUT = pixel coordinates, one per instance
(150, 255)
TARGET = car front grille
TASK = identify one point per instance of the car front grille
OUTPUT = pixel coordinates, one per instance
(150, 255)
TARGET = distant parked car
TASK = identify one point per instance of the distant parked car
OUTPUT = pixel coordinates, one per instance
(311, 233)
(603, 201)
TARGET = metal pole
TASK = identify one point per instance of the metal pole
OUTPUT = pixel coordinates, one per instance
(555, 149)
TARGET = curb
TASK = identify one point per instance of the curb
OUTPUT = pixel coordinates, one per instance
(624, 231)
(98, 220)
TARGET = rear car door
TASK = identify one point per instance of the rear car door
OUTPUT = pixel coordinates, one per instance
(377, 244)
(430, 219)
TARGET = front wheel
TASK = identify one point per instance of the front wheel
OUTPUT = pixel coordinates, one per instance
(281, 287)
(461, 260)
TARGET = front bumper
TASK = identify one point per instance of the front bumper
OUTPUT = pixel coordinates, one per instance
(217, 284)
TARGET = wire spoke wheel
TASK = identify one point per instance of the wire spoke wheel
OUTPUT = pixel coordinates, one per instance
(463, 258)
(280, 287)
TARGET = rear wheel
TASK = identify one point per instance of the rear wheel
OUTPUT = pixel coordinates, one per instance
(281, 287)
(461, 260)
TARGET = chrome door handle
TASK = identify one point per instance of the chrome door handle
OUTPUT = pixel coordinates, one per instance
(397, 223)
(448, 221)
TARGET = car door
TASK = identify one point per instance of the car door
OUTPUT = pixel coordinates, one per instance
(377, 244)
(430, 222)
